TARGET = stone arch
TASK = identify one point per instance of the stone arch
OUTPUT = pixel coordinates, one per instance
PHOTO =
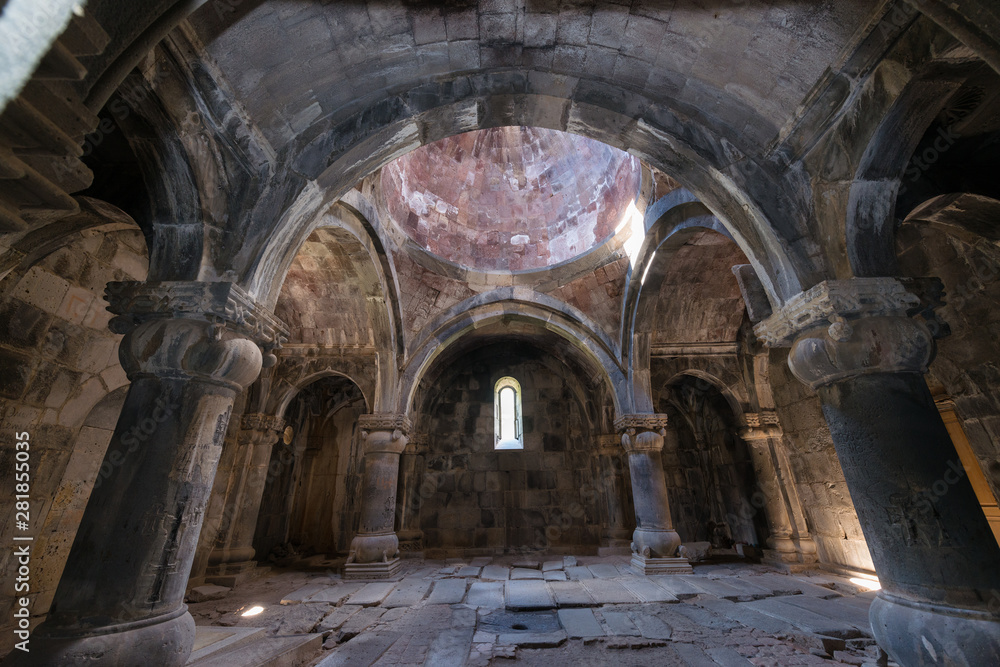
(732, 391)
(515, 304)
(280, 399)
(676, 222)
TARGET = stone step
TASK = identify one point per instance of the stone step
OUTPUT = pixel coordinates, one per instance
(528, 594)
(288, 651)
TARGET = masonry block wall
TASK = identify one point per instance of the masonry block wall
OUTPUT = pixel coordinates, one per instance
(60, 380)
(489, 502)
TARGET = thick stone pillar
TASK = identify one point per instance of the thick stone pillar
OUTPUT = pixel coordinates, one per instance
(615, 536)
(411, 538)
(931, 545)
(375, 549)
(790, 545)
(654, 542)
(231, 561)
(189, 348)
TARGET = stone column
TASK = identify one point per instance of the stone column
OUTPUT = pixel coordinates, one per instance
(654, 542)
(791, 546)
(375, 549)
(615, 537)
(935, 556)
(231, 561)
(411, 538)
(189, 348)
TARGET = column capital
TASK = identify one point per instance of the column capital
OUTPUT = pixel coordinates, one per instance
(642, 432)
(761, 425)
(831, 304)
(224, 305)
(384, 421)
(254, 427)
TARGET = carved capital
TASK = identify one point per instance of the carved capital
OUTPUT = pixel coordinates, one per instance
(833, 304)
(256, 427)
(761, 425)
(642, 433)
(384, 421)
(223, 305)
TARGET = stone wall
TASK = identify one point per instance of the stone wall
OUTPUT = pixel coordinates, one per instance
(830, 513)
(478, 500)
(968, 360)
(63, 385)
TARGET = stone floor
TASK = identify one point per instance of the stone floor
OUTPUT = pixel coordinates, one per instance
(582, 611)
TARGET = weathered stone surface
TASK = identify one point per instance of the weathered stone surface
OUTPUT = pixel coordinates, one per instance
(619, 623)
(526, 595)
(372, 594)
(608, 592)
(495, 573)
(447, 591)
(580, 623)
(570, 594)
(489, 595)
(208, 592)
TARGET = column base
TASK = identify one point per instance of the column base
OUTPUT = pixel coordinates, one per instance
(920, 633)
(648, 566)
(379, 570)
(162, 640)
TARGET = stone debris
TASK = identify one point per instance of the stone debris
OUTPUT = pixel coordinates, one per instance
(207, 592)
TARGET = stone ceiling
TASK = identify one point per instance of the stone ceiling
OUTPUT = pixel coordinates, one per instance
(510, 198)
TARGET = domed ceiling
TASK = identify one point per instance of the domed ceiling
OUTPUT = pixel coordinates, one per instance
(510, 198)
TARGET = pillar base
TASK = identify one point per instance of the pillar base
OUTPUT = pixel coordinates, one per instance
(380, 570)
(919, 633)
(163, 641)
(648, 566)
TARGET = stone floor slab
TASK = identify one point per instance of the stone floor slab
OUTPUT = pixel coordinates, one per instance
(550, 565)
(372, 594)
(302, 594)
(336, 594)
(620, 624)
(805, 619)
(486, 594)
(469, 571)
(525, 573)
(834, 609)
(578, 572)
(447, 591)
(719, 589)
(528, 594)
(554, 575)
(481, 561)
(361, 652)
(749, 617)
(495, 573)
(693, 656)
(358, 623)
(533, 639)
(676, 586)
(608, 592)
(408, 593)
(337, 617)
(604, 570)
(580, 623)
(778, 584)
(728, 657)
(650, 626)
(569, 561)
(570, 594)
(450, 647)
(646, 590)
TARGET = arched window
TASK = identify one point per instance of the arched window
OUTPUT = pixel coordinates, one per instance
(507, 431)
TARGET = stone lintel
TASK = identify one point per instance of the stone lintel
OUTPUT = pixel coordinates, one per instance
(830, 303)
(223, 304)
(649, 566)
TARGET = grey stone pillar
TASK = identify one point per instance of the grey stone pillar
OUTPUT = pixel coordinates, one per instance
(411, 538)
(931, 545)
(654, 542)
(375, 549)
(231, 561)
(790, 545)
(189, 349)
(615, 536)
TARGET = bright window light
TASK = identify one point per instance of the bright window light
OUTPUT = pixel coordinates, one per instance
(633, 220)
(253, 611)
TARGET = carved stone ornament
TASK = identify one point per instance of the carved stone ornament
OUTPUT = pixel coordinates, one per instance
(646, 422)
(384, 421)
(226, 305)
(260, 422)
(761, 425)
(834, 304)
